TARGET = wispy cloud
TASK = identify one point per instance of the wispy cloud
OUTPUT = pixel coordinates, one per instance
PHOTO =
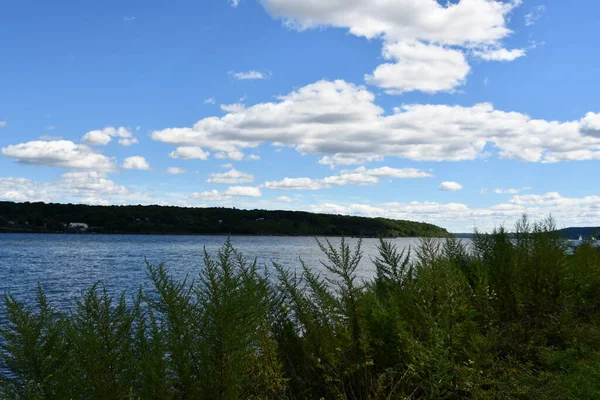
(2, 124)
(210, 100)
(248, 75)
(127, 19)
(535, 14)
(234, 3)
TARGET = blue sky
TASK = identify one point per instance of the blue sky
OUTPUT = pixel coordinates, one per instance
(462, 113)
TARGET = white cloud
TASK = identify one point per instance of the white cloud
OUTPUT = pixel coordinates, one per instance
(189, 152)
(210, 100)
(90, 184)
(248, 75)
(253, 157)
(418, 66)
(590, 125)
(233, 191)
(3, 124)
(231, 176)
(535, 14)
(500, 54)
(348, 159)
(128, 19)
(459, 217)
(176, 170)
(21, 189)
(296, 184)
(212, 195)
(59, 153)
(233, 108)
(403, 173)
(228, 166)
(284, 199)
(341, 118)
(235, 155)
(234, 3)
(50, 128)
(511, 190)
(105, 136)
(429, 38)
(87, 187)
(360, 176)
(243, 191)
(136, 162)
(127, 141)
(450, 186)
(50, 137)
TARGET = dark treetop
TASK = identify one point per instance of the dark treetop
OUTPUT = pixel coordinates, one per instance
(42, 217)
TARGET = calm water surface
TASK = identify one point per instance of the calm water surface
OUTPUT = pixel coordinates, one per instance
(65, 265)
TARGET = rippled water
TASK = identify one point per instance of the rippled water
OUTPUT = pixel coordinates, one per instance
(65, 265)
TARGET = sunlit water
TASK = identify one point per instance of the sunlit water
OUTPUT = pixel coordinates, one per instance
(65, 265)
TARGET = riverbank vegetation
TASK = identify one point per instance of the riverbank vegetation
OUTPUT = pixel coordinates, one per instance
(513, 317)
(52, 217)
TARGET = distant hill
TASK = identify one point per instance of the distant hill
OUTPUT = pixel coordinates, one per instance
(52, 217)
(463, 235)
(584, 232)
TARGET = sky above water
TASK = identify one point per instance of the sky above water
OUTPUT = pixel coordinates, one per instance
(459, 113)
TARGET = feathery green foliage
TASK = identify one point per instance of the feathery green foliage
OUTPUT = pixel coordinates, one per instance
(512, 316)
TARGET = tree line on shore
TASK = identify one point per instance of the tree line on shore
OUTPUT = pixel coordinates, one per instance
(42, 217)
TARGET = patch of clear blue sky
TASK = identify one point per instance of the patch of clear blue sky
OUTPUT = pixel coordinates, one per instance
(81, 65)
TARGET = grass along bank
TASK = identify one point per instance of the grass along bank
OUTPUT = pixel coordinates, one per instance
(512, 318)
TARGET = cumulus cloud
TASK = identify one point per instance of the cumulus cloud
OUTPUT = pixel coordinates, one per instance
(419, 66)
(176, 170)
(231, 176)
(348, 159)
(90, 184)
(459, 217)
(283, 199)
(233, 108)
(88, 187)
(342, 119)
(360, 176)
(59, 153)
(233, 191)
(500, 54)
(235, 155)
(424, 40)
(189, 152)
(212, 195)
(105, 136)
(248, 75)
(296, 184)
(590, 125)
(243, 191)
(450, 187)
(21, 189)
(136, 162)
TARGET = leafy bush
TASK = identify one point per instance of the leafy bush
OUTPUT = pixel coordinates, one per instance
(511, 317)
